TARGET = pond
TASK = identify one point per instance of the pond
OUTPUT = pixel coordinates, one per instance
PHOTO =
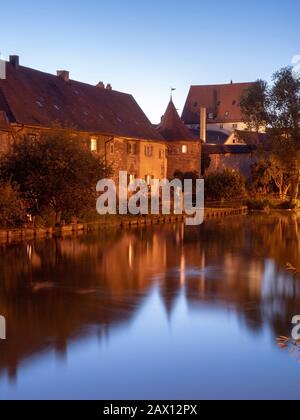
(159, 312)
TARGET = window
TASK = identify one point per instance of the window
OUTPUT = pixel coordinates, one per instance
(184, 149)
(234, 126)
(112, 148)
(131, 179)
(210, 116)
(221, 126)
(149, 151)
(94, 144)
(131, 148)
(148, 179)
(161, 154)
(226, 114)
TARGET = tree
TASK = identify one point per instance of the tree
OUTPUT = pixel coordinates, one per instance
(269, 176)
(254, 105)
(56, 171)
(12, 207)
(226, 185)
(277, 108)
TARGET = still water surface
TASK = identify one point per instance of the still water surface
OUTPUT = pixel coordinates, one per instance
(166, 312)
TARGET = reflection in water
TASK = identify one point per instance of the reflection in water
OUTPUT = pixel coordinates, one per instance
(225, 279)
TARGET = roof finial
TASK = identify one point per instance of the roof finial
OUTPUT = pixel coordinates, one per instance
(172, 90)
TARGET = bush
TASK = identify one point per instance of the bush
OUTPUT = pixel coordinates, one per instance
(258, 204)
(226, 185)
(56, 172)
(12, 207)
(288, 205)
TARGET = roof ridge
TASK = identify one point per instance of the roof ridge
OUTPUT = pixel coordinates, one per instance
(222, 84)
(71, 80)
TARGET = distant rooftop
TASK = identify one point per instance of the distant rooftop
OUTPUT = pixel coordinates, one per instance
(221, 101)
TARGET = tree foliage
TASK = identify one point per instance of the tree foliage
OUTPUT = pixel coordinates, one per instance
(12, 207)
(277, 107)
(270, 176)
(56, 171)
(226, 185)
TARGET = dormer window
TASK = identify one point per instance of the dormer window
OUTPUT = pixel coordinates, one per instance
(210, 116)
(227, 114)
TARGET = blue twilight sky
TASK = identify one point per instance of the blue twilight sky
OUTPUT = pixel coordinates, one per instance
(146, 46)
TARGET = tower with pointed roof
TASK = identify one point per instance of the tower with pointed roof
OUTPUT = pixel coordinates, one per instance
(184, 148)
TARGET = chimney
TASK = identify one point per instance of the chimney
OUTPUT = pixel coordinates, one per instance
(109, 87)
(203, 124)
(100, 85)
(14, 60)
(64, 75)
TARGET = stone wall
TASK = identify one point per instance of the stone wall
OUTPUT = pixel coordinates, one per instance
(184, 162)
(238, 161)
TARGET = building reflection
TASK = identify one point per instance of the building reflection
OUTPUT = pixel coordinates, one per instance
(57, 290)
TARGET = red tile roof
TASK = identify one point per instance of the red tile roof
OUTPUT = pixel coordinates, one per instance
(220, 100)
(172, 127)
(32, 97)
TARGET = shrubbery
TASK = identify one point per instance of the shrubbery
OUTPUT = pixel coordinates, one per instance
(262, 205)
(226, 185)
(56, 173)
(12, 207)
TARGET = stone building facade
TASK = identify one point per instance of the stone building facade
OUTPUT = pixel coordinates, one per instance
(239, 158)
(111, 122)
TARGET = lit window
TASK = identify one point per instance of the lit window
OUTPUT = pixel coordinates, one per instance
(148, 179)
(210, 116)
(226, 114)
(94, 145)
(184, 149)
(131, 179)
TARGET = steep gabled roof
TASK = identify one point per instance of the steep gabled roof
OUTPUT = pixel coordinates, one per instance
(32, 97)
(172, 127)
(221, 101)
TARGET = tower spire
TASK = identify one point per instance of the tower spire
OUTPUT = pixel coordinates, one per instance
(172, 90)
